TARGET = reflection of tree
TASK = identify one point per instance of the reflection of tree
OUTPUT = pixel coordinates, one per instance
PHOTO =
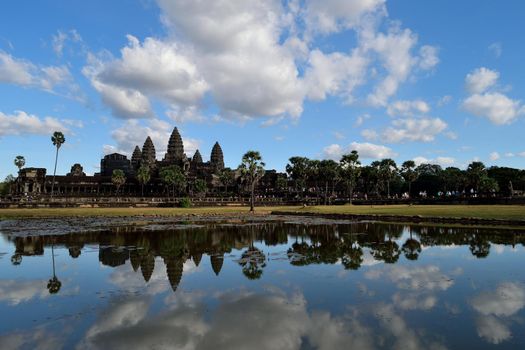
(16, 259)
(411, 248)
(352, 254)
(479, 246)
(53, 285)
(387, 251)
(253, 261)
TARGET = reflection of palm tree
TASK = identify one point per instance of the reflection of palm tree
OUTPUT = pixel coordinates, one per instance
(352, 255)
(479, 246)
(16, 259)
(253, 261)
(387, 251)
(411, 248)
(53, 285)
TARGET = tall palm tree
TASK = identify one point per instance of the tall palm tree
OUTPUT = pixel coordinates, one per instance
(350, 168)
(409, 173)
(118, 178)
(58, 139)
(252, 169)
(143, 175)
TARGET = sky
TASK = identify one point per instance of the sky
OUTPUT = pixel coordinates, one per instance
(436, 81)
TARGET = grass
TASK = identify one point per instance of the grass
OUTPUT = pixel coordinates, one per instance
(506, 212)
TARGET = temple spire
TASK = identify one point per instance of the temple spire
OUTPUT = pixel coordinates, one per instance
(175, 151)
(136, 157)
(197, 158)
(148, 153)
(217, 157)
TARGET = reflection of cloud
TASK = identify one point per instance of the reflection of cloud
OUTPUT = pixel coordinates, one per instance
(492, 329)
(405, 337)
(413, 301)
(494, 307)
(506, 300)
(16, 292)
(125, 278)
(39, 339)
(417, 278)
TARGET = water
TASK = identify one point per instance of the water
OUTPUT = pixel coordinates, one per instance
(286, 284)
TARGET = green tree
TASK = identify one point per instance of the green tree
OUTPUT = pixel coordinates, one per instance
(200, 187)
(488, 185)
(173, 176)
(20, 161)
(476, 171)
(350, 169)
(227, 177)
(409, 173)
(5, 187)
(144, 176)
(58, 140)
(328, 172)
(118, 178)
(252, 170)
(297, 169)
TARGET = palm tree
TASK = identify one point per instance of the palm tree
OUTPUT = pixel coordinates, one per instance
(172, 175)
(58, 139)
(226, 176)
(252, 169)
(409, 174)
(143, 175)
(118, 178)
(20, 161)
(350, 170)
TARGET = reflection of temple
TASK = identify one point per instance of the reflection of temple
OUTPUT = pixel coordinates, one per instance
(311, 244)
(35, 180)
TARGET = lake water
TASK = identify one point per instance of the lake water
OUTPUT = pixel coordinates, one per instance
(292, 283)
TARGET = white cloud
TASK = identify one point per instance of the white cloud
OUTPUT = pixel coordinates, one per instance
(494, 156)
(496, 48)
(408, 108)
(366, 150)
(442, 161)
(496, 107)
(369, 134)
(480, 80)
(334, 74)
(492, 329)
(59, 40)
(15, 292)
(21, 123)
(152, 69)
(428, 57)
(411, 129)
(361, 119)
(48, 78)
(328, 16)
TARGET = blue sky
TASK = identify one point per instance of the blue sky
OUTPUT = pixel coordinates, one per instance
(435, 81)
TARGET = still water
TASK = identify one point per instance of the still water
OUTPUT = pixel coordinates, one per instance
(291, 283)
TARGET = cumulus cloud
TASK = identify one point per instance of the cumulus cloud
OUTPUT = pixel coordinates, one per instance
(329, 16)
(442, 161)
(54, 79)
(496, 107)
(366, 150)
(133, 133)
(423, 278)
(258, 59)
(492, 329)
(506, 300)
(494, 156)
(21, 123)
(414, 129)
(408, 108)
(480, 80)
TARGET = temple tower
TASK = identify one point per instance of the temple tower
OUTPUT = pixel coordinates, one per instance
(175, 153)
(136, 157)
(197, 158)
(148, 153)
(217, 157)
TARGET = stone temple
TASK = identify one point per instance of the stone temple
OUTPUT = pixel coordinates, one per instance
(36, 180)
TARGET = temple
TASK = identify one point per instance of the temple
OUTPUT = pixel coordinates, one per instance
(36, 181)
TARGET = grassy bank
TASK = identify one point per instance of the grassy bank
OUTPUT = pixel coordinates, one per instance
(501, 212)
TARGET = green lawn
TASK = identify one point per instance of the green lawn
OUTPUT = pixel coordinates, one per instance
(510, 212)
